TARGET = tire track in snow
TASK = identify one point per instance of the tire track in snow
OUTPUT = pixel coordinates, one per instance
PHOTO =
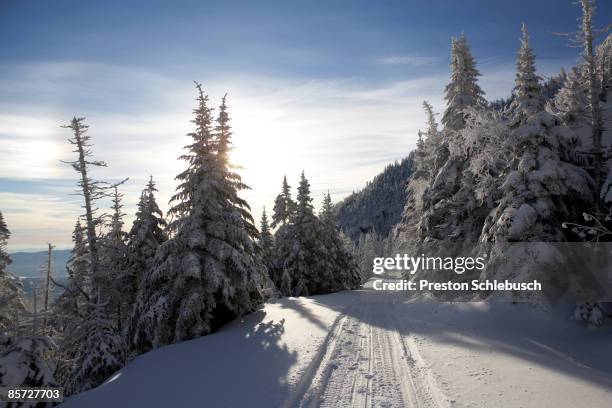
(421, 388)
(367, 362)
(319, 360)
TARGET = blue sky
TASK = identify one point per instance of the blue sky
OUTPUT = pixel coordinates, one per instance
(331, 87)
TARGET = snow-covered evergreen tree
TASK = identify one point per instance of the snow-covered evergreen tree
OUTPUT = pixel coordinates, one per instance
(208, 272)
(148, 232)
(310, 255)
(266, 240)
(434, 150)
(5, 234)
(463, 90)
(23, 364)
(22, 359)
(95, 351)
(420, 156)
(435, 208)
(543, 187)
(540, 175)
(515, 178)
(11, 303)
(572, 102)
(345, 273)
(68, 308)
(528, 97)
(284, 206)
(298, 249)
(114, 263)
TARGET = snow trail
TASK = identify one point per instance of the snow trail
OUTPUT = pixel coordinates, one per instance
(367, 362)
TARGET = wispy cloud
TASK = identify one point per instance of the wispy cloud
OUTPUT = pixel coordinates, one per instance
(411, 60)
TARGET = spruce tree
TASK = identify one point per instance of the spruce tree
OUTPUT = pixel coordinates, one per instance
(5, 234)
(307, 265)
(68, 308)
(11, 290)
(463, 90)
(420, 155)
(303, 262)
(265, 239)
(340, 263)
(148, 232)
(528, 97)
(114, 262)
(284, 206)
(432, 125)
(572, 101)
(208, 273)
(431, 156)
(96, 351)
(541, 176)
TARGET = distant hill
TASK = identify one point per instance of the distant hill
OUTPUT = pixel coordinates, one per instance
(29, 264)
(39, 282)
(379, 205)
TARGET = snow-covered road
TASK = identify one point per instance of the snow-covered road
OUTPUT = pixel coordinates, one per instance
(374, 349)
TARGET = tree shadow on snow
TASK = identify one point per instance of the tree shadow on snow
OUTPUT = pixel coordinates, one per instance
(238, 366)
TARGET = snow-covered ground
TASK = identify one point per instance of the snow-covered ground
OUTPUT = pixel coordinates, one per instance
(368, 348)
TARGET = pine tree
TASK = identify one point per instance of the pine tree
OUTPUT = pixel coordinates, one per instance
(540, 178)
(438, 207)
(284, 206)
(114, 262)
(297, 250)
(68, 308)
(11, 290)
(307, 269)
(432, 125)
(311, 256)
(420, 155)
(148, 232)
(265, 239)
(96, 352)
(463, 90)
(572, 100)
(527, 92)
(434, 154)
(340, 263)
(5, 234)
(208, 273)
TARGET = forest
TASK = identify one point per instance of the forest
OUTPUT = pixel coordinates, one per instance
(485, 177)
